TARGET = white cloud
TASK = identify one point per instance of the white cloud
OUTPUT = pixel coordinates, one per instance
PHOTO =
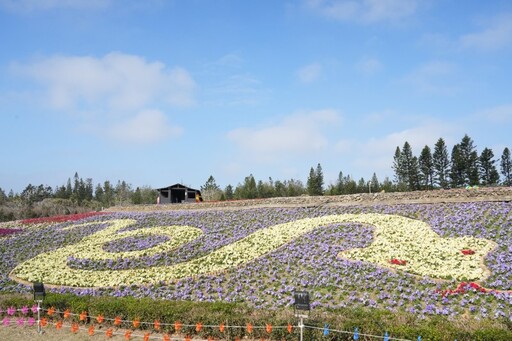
(496, 35)
(369, 65)
(500, 114)
(296, 134)
(309, 73)
(376, 153)
(116, 81)
(367, 11)
(434, 78)
(145, 127)
(36, 5)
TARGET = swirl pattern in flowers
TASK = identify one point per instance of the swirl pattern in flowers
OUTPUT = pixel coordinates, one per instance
(395, 237)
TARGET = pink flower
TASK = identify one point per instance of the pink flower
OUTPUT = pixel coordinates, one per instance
(31, 321)
(11, 311)
(20, 322)
(34, 308)
(24, 310)
(6, 321)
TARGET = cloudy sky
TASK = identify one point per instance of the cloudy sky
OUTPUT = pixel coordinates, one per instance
(163, 91)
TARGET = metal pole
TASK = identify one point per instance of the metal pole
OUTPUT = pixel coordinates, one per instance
(39, 330)
(301, 327)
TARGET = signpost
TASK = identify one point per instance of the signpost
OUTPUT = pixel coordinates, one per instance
(301, 308)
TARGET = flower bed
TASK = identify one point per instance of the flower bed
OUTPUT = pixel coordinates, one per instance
(61, 218)
(341, 255)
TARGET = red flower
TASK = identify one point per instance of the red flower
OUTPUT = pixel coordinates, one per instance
(396, 261)
(467, 251)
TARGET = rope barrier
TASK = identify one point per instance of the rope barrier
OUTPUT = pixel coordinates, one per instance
(157, 326)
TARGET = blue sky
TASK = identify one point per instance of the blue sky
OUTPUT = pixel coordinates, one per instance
(158, 92)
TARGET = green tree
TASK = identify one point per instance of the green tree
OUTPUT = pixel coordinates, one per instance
(399, 168)
(228, 192)
(3, 197)
(99, 193)
(375, 184)
(457, 168)
(441, 164)
(210, 190)
(469, 161)
(426, 167)
(137, 197)
(488, 173)
(506, 167)
(315, 181)
(410, 167)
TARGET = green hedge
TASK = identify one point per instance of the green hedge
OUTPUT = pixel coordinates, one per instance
(368, 321)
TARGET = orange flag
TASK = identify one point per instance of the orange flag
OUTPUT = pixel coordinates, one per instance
(289, 328)
(51, 311)
(58, 325)
(199, 326)
(222, 327)
(177, 326)
(156, 325)
(110, 332)
(117, 321)
(83, 316)
(67, 313)
(43, 322)
(146, 336)
(128, 335)
(249, 328)
(100, 318)
(269, 328)
(74, 327)
(91, 330)
(136, 323)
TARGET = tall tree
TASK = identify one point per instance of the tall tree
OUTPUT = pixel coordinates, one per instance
(488, 173)
(441, 164)
(426, 166)
(457, 169)
(228, 192)
(375, 185)
(315, 181)
(210, 190)
(506, 167)
(410, 167)
(469, 157)
(399, 168)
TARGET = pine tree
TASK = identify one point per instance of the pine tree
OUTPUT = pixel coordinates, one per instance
(375, 185)
(398, 167)
(315, 181)
(457, 168)
(441, 164)
(410, 167)
(506, 167)
(469, 158)
(426, 166)
(488, 172)
(210, 190)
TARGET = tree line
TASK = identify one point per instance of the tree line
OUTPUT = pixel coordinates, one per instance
(75, 196)
(430, 170)
(462, 167)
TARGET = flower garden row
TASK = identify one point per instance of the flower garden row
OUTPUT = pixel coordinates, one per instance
(331, 260)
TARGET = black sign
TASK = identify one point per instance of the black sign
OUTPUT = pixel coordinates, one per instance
(301, 300)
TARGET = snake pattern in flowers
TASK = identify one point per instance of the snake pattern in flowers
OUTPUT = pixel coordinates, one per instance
(395, 237)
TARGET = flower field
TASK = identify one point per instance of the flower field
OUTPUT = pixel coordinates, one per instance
(426, 259)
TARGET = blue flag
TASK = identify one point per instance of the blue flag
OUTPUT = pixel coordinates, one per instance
(386, 337)
(326, 329)
(356, 334)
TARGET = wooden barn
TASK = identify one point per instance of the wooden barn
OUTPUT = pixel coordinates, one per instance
(178, 193)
